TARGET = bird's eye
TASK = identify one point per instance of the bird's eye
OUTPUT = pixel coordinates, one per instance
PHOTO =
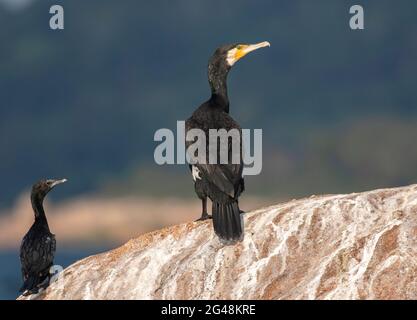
(239, 47)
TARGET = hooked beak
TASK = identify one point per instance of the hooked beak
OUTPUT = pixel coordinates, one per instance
(242, 50)
(253, 47)
(57, 182)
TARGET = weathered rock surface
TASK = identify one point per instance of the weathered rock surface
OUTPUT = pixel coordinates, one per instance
(357, 246)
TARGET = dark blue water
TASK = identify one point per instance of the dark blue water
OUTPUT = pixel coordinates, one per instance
(10, 276)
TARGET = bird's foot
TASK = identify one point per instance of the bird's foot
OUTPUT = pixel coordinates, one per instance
(30, 292)
(44, 284)
(204, 217)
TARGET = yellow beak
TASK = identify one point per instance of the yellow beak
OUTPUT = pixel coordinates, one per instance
(243, 50)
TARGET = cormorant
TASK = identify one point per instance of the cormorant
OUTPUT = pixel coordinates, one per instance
(38, 246)
(222, 183)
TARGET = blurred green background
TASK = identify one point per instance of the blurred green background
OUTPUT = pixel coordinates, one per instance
(338, 108)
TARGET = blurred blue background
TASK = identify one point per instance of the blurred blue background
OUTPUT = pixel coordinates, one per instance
(338, 108)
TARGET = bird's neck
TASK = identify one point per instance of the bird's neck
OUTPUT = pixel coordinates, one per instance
(37, 205)
(218, 85)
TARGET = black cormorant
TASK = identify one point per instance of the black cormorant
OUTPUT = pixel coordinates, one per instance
(222, 183)
(38, 245)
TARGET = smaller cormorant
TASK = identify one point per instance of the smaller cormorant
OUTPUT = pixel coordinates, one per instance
(38, 246)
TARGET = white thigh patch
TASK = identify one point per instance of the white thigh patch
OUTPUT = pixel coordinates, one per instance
(196, 173)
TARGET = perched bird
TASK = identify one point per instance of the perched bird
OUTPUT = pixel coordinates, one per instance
(223, 182)
(38, 246)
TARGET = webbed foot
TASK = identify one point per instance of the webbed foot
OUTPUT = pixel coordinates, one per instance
(204, 217)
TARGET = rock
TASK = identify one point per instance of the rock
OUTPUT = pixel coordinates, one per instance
(357, 246)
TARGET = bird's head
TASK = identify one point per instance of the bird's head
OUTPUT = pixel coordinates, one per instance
(42, 187)
(222, 61)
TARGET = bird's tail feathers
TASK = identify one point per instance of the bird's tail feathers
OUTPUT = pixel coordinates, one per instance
(227, 222)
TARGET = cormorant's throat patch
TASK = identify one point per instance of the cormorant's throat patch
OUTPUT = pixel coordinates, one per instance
(234, 55)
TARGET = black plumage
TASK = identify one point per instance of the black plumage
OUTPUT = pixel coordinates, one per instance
(221, 183)
(38, 246)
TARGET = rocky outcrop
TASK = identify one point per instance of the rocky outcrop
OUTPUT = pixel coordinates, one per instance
(356, 246)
